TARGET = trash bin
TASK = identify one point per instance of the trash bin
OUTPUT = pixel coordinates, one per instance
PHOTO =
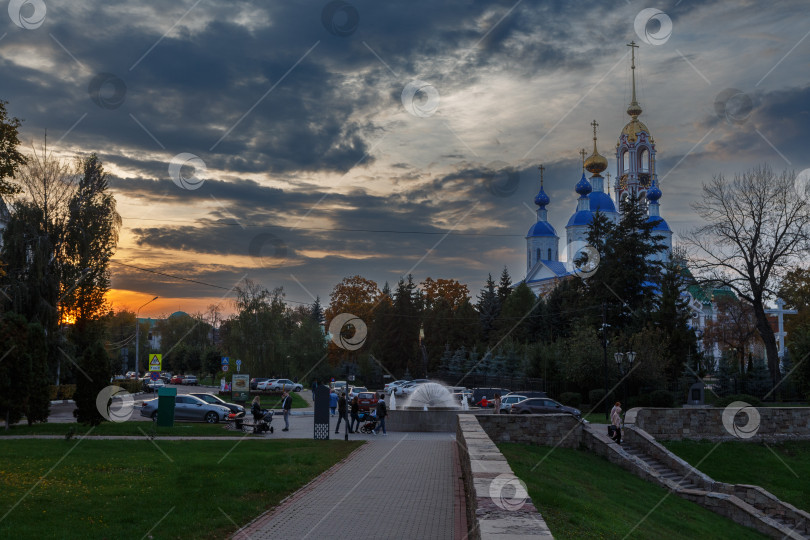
(166, 406)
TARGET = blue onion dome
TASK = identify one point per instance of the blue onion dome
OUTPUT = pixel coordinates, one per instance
(583, 186)
(654, 193)
(542, 199)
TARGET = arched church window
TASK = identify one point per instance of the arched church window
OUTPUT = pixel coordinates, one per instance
(549, 254)
(539, 254)
(644, 160)
(625, 161)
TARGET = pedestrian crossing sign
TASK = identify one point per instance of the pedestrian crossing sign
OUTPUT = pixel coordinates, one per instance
(155, 362)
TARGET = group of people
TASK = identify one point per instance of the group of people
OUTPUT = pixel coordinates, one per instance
(286, 405)
(339, 403)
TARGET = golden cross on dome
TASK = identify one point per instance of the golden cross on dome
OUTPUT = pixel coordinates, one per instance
(582, 153)
(595, 125)
(541, 175)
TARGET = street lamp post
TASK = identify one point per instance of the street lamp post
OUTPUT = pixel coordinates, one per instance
(137, 336)
(619, 357)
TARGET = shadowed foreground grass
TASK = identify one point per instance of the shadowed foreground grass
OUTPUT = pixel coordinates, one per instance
(782, 469)
(581, 495)
(122, 489)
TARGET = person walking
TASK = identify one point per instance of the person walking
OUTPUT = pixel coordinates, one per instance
(342, 412)
(382, 412)
(333, 401)
(286, 405)
(355, 411)
(616, 422)
(314, 387)
(497, 402)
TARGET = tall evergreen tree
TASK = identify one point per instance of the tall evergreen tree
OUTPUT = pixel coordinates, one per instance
(488, 309)
(504, 287)
(95, 367)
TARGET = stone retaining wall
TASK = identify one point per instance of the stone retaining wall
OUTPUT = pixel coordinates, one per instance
(402, 420)
(495, 508)
(774, 424)
(561, 430)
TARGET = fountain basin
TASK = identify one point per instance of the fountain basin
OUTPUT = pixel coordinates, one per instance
(438, 419)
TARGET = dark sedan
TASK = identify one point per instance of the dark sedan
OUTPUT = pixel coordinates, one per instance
(216, 400)
(543, 406)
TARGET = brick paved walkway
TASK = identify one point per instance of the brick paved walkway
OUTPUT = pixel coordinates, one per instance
(399, 486)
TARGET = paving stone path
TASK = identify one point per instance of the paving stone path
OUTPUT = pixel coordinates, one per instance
(400, 486)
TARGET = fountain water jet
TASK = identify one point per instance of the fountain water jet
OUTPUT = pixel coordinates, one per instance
(431, 396)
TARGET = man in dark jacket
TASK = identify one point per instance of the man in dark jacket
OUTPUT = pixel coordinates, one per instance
(286, 405)
(382, 412)
(341, 411)
(355, 412)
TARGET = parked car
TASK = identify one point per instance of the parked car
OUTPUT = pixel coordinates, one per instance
(152, 386)
(387, 389)
(189, 408)
(464, 391)
(354, 390)
(339, 386)
(508, 401)
(254, 382)
(216, 400)
(190, 380)
(264, 385)
(367, 400)
(409, 387)
(543, 406)
(528, 394)
(131, 375)
(280, 385)
(177, 379)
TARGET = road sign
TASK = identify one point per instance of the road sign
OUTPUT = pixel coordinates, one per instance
(155, 362)
(225, 360)
(155, 375)
(238, 366)
(224, 367)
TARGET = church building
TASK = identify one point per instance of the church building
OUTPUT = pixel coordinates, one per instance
(635, 175)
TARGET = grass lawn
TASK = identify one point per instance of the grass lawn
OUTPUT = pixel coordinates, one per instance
(581, 495)
(195, 429)
(273, 401)
(738, 462)
(122, 489)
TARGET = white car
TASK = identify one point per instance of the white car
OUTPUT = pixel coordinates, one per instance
(508, 401)
(265, 385)
(279, 385)
(389, 386)
(411, 387)
(354, 390)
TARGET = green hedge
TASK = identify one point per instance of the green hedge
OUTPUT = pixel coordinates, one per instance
(63, 391)
(728, 400)
(572, 399)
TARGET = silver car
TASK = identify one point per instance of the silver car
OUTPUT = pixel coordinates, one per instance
(188, 408)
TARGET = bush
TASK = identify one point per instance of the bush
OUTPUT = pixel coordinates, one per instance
(595, 397)
(133, 386)
(728, 400)
(572, 399)
(662, 398)
(63, 391)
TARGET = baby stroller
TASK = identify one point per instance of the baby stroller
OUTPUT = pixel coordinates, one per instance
(370, 420)
(261, 422)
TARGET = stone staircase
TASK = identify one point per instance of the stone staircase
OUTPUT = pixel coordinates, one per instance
(751, 506)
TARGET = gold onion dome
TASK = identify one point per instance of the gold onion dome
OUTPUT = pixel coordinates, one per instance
(596, 162)
(634, 126)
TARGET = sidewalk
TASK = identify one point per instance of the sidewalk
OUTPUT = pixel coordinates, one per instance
(400, 486)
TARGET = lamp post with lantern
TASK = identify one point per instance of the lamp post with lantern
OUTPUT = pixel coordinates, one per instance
(619, 357)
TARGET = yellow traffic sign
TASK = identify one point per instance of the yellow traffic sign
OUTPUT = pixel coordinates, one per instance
(155, 362)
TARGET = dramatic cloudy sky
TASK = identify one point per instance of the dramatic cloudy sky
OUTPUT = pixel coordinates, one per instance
(311, 162)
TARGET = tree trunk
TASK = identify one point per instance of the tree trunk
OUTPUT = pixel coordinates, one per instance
(769, 339)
